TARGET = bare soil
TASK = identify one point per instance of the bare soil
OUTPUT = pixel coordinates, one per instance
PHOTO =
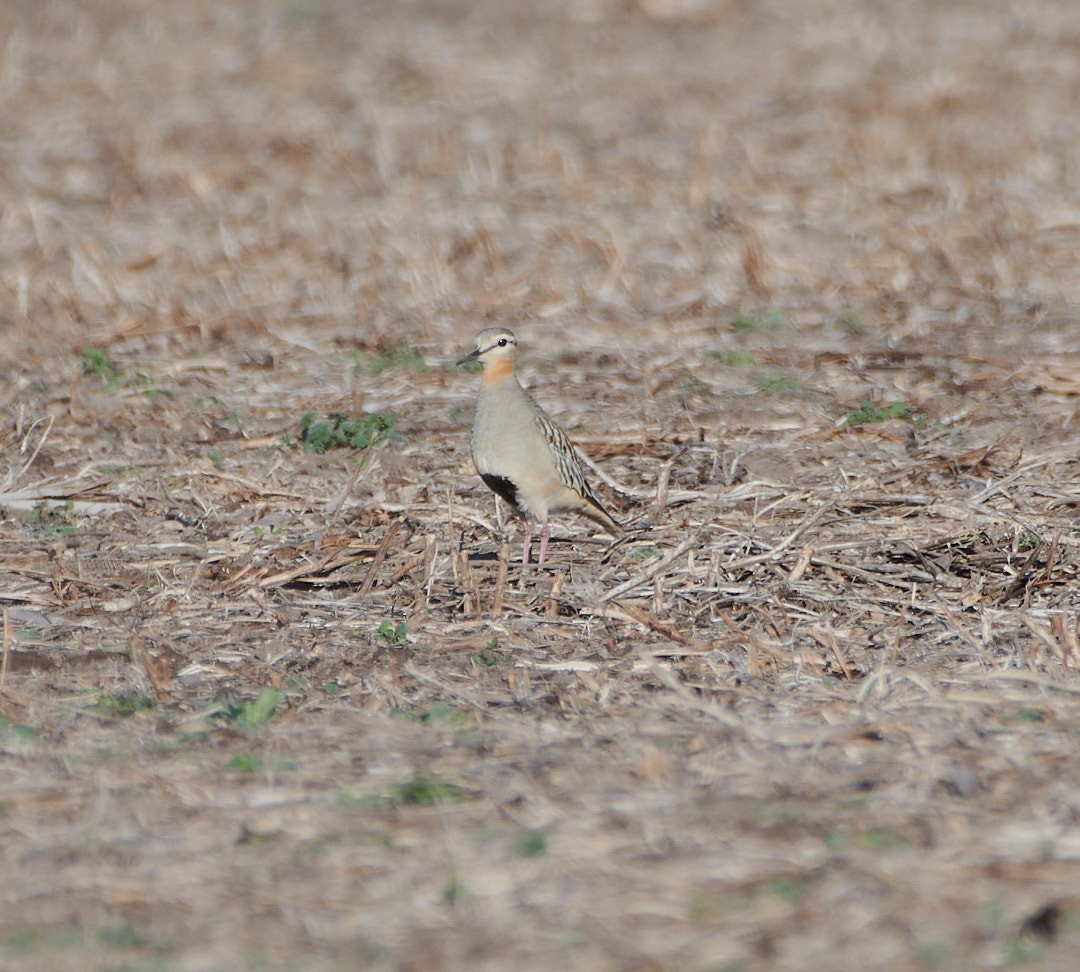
(801, 279)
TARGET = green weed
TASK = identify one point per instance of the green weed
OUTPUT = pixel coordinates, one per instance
(848, 323)
(1028, 540)
(737, 358)
(245, 763)
(873, 839)
(96, 362)
(392, 634)
(776, 383)
(754, 322)
(124, 703)
(532, 844)
(402, 358)
(249, 714)
(454, 891)
(318, 435)
(788, 887)
(437, 712)
(57, 520)
(425, 791)
(869, 412)
(24, 733)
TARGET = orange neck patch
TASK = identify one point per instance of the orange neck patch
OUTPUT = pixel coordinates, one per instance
(498, 369)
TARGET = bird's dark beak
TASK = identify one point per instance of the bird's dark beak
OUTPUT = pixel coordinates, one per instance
(471, 356)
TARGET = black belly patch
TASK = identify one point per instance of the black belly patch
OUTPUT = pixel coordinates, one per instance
(502, 487)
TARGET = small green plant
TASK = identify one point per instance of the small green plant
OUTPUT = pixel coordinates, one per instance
(249, 714)
(57, 520)
(124, 936)
(874, 839)
(453, 892)
(426, 791)
(245, 763)
(1022, 951)
(402, 358)
(1028, 540)
(754, 322)
(96, 362)
(436, 712)
(788, 887)
(392, 634)
(848, 323)
(776, 383)
(934, 954)
(736, 358)
(18, 731)
(869, 412)
(318, 435)
(489, 656)
(1029, 715)
(532, 844)
(442, 712)
(124, 703)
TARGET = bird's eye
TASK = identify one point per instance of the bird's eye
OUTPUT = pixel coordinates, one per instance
(502, 342)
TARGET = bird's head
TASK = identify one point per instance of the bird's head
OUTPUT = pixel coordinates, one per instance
(496, 350)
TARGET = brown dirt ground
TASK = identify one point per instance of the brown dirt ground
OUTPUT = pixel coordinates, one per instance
(820, 711)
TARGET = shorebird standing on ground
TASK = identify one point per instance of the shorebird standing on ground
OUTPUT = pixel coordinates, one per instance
(520, 453)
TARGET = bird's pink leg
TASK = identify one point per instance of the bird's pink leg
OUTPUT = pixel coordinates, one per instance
(526, 533)
(545, 532)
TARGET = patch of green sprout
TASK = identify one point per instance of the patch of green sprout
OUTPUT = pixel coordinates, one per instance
(1030, 715)
(392, 634)
(436, 712)
(454, 891)
(24, 733)
(123, 936)
(426, 791)
(755, 322)
(532, 844)
(124, 703)
(249, 714)
(245, 763)
(848, 323)
(1020, 950)
(776, 383)
(95, 361)
(868, 412)
(339, 431)
(736, 358)
(873, 839)
(1028, 540)
(55, 520)
(401, 358)
(788, 887)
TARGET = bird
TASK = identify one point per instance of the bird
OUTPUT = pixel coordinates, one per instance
(520, 452)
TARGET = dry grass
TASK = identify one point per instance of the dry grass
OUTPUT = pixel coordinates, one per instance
(801, 278)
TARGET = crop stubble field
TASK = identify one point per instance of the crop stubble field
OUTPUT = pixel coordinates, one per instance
(801, 279)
